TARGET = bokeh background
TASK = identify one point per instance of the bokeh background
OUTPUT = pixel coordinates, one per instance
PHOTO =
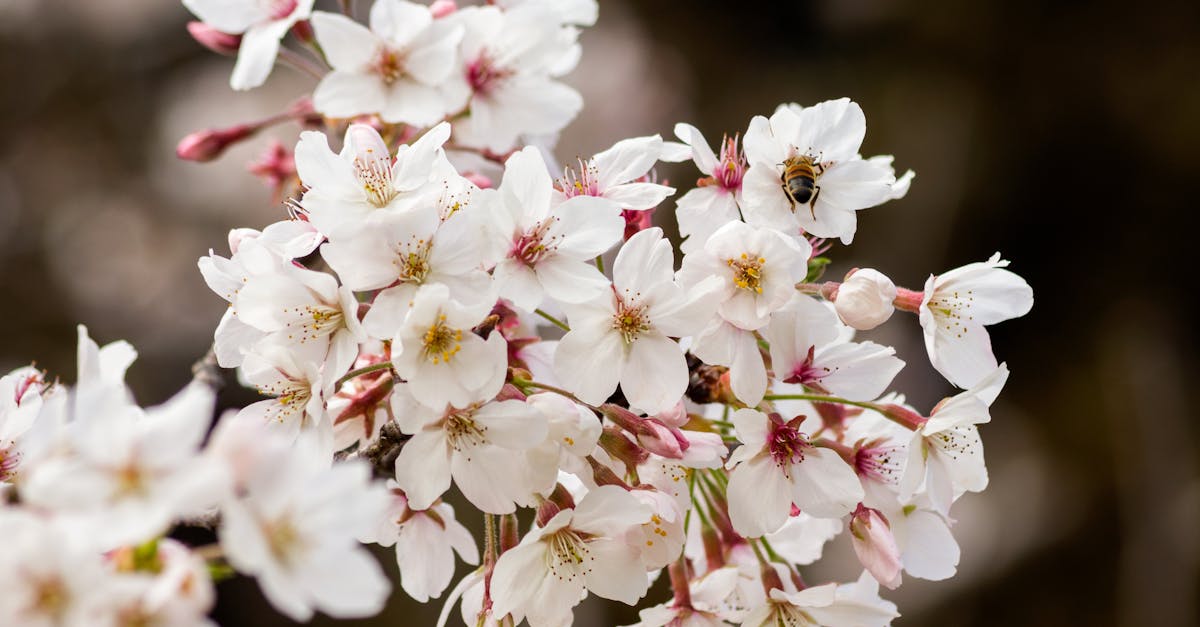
(1061, 133)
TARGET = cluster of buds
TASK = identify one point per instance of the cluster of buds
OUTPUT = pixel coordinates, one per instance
(434, 311)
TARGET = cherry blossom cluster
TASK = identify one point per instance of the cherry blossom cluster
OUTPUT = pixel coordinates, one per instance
(444, 313)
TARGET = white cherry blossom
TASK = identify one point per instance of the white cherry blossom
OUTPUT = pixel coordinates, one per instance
(778, 466)
(716, 199)
(396, 68)
(578, 550)
(261, 23)
(479, 444)
(830, 605)
(617, 174)
(294, 527)
(827, 136)
(436, 351)
(346, 190)
(549, 247)
(955, 308)
(624, 336)
(426, 541)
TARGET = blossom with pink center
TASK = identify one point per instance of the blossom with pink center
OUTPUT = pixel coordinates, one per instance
(577, 551)
(262, 23)
(623, 334)
(810, 347)
(549, 246)
(510, 58)
(778, 466)
(717, 196)
(616, 174)
(396, 68)
(846, 605)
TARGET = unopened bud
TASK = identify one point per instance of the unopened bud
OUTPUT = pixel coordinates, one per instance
(864, 300)
(209, 144)
(213, 39)
(637, 220)
(875, 546)
(442, 8)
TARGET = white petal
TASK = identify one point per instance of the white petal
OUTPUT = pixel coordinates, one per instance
(256, 55)
(348, 45)
(824, 485)
(759, 497)
(656, 373)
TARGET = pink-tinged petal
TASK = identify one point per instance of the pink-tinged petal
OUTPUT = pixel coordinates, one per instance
(761, 146)
(930, 550)
(655, 375)
(752, 427)
(388, 311)
(347, 583)
(759, 497)
(588, 226)
(519, 283)
(839, 126)
(824, 485)
(414, 103)
(320, 168)
(748, 373)
(399, 21)
(518, 577)
(345, 94)
(433, 55)
(590, 364)
(765, 204)
(512, 424)
(702, 153)
(616, 571)
(414, 165)
(256, 55)
(962, 354)
(858, 371)
(485, 475)
(607, 510)
(348, 45)
(638, 196)
(526, 186)
(426, 562)
(570, 280)
(227, 16)
(627, 160)
(876, 547)
(644, 262)
(423, 468)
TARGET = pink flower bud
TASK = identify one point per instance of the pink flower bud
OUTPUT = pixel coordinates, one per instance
(677, 416)
(662, 440)
(213, 39)
(442, 8)
(303, 31)
(209, 144)
(275, 166)
(875, 546)
(637, 220)
(864, 300)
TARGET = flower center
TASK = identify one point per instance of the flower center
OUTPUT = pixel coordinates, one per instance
(747, 272)
(484, 76)
(10, 458)
(375, 177)
(315, 321)
(880, 463)
(282, 537)
(441, 343)
(952, 310)
(585, 183)
(730, 169)
(463, 433)
(630, 320)
(956, 441)
(412, 259)
(536, 244)
(50, 598)
(291, 396)
(569, 555)
(787, 444)
(388, 64)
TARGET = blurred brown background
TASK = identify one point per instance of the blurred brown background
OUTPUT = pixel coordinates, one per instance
(1061, 133)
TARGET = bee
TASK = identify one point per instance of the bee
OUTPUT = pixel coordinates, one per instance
(799, 181)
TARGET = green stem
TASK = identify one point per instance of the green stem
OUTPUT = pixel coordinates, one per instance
(819, 398)
(558, 323)
(383, 365)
